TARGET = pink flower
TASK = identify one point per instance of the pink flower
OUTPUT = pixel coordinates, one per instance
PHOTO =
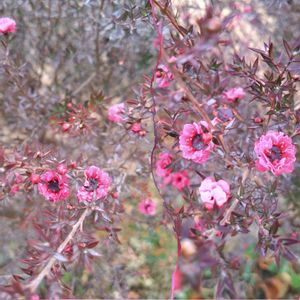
(163, 76)
(7, 25)
(62, 169)
(180, 180)
(34, 178)
(275, 153)
(14, 189)
(214, 192)
(247, 9)
(65, 126)
(53, 186)
(116, 112)
(136, 127)
(96, 184)
(234, 94)
(147, 207)
(195, 142)
(162, 170)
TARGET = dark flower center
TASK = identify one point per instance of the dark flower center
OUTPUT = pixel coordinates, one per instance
(93, 184)
(198, 143)
(53, 186)
(274, 153)
(178, 179)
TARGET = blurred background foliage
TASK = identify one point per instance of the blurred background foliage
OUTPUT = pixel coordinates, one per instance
(70, 49)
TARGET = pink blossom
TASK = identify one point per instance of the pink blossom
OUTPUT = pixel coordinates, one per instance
(18, 178)
(14, 189)
(275, 152)
(147, 207)
(234, 94)
(96, 184)
(116, 113)
(136, 127)
(195, 142)
(53, 186)
(34, 178)
(115, 195)
(214, 192)
(180, 180)
(162, 169)
(65, 126)
(163, 76)
(7, 25)
(62, 169)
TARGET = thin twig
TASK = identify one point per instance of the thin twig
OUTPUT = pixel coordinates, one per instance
(33, 285)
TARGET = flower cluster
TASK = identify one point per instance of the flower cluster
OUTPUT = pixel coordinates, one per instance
(179, 179)
(53, 185)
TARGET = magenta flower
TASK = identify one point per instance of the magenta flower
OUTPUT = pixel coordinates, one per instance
(62, 169)
(53, 186)
(163, 76)
(7, 25)
(234, 94)
(195, 142)
(214, 192)
(275, 152)
(147, 207)
(116, 113)
(96, 184)
(136, 127)
(35, 178)
(180, 180)
(162, 169)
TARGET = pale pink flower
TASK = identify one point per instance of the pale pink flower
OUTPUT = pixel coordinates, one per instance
(180, 180)
(234, 94)
(53, 186)
(147, 207)
(195, 142)
(7, 25)
(163, 76)
(116, 113)
(96, 185)
(247, 9)
(214, 192)
(275, 152)
(162, 165)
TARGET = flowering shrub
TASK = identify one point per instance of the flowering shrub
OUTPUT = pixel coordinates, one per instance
(216, 128)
